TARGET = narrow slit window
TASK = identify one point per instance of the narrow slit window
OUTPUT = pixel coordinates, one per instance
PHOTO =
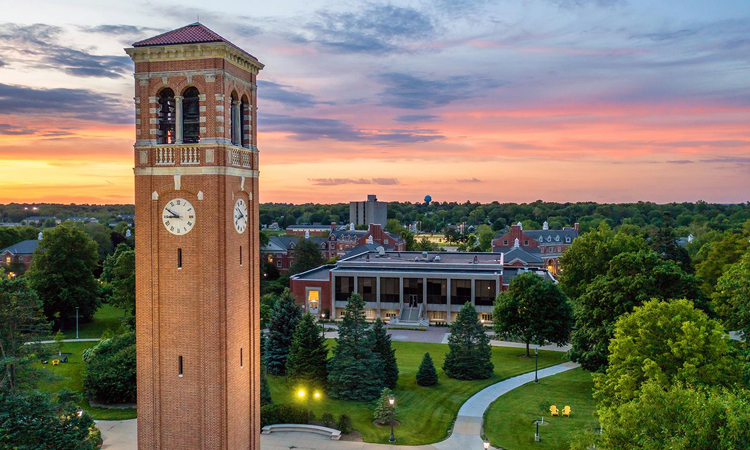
(179, 262)
(240, 255)
(179, 359)
(241, 364)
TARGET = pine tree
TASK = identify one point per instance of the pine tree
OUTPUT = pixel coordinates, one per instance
(387, 354)
(384, 412)
(355, 372)
(469, 354)
(284, 319)
(427, 375)
(265, 392)
(308, 354)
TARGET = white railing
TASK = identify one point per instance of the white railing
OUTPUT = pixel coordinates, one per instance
(190, 155)
(164, 156)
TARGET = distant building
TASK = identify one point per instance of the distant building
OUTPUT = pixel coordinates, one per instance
(39, 220)
(280, 251)
(315, 229)
(18, 256)
(548, 245)
(82, 219)
(409, 288)
(11, 224)
(368, 212)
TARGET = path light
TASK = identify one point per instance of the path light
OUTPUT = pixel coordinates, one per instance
(486, 444)
(80, 413)
(392, 401)
(536, 364)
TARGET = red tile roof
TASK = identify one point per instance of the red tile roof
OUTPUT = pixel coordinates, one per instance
(194, 33)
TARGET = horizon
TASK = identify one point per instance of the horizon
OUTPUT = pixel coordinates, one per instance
(606, 101)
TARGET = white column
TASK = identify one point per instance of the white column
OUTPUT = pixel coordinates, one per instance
(178, 119)
(473, 285)
(400, 293)
(236, 125)
(448, 294)
(377, 294)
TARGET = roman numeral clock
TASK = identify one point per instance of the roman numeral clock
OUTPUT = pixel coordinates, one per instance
(197, 242)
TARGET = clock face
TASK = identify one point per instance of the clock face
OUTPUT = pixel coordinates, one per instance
(178, 216)
(240, 216)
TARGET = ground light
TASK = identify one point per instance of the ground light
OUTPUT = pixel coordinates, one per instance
(486, 444)
(392, 401)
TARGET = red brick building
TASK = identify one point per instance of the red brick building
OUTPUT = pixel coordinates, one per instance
(548, 245)
(17, 258)
(197, 242)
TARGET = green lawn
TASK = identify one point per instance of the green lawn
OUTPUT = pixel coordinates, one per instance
(509, 421)
(426, 414)
(106, 317)
(70, 375)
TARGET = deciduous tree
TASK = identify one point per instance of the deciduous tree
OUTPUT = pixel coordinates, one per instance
(732, 297)
(307, 256)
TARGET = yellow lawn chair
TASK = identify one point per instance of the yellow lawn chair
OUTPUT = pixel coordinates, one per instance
(553, 410)
(566, 411)
(55, 362)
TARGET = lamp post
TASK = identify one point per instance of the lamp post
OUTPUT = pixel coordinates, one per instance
(486, 444)
(302, 394)
(76, 322)
(536, 435)
(391, 401)
(536, 364)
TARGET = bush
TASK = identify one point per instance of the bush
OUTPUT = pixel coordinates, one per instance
(427, 375)
(384, 412)
(111, 372)
(345, 424)
(275, 413)
(327, 419)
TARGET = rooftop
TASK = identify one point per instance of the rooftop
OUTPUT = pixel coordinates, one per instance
(195, 33)
(22, 248)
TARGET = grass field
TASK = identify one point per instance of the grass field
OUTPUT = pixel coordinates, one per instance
(426, 414)
(509, 421)
(106, 317)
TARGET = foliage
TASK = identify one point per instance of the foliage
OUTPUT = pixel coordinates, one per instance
(732, 297)
(119, 272)
(34, 420)
(678, 418)
(267, 302)
(387, 354)
(385, 413)
(664, 343)
(427, 375)
(277, 413)
(664, 243)
(265, 392)
(631, 279)
(534, 310)
(469, 352)
(408, 238)
(327, 419)
(13, 235)
(485, 235)
(61, 273)
(345, 424)
(308, 354)
(714, 256)
(307, 256)
(111, 371)
(284, 319)
(21, 320)
(355, 371)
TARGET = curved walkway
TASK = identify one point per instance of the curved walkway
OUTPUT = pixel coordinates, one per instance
(467, 430)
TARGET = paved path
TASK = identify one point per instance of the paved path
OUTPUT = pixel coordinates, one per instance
(121, 435)
(67, 340)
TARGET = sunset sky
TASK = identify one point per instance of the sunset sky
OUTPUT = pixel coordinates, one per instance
(481, 100)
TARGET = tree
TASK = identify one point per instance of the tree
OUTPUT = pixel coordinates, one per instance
(393, 226)
(307, 256)
(385, 413)
(308, 354)
(485, 235)
(732, 297)
(632, 279)
(718, 256)
(387, 354)
(355, 371)
(664, 243)
(427, 375)
(21, 320)
(665, 342)
(38, 420)
(469, 353)
(534, 310)
(408, 238)
(284, 319)
(62, 274)
(265, 391)
(589, 256)
(119, 272)
(111, 370)
(678, 418)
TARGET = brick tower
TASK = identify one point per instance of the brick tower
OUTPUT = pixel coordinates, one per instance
(196, 207)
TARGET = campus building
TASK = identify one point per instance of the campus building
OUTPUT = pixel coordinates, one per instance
(368, 212)
(548, 245)
(409, 287)
(16, 259)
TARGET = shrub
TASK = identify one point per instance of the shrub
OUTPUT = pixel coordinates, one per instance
(276, 413)
(345, 424)
(384, 412)
(427, 375)
(327, 419)
(111, 373)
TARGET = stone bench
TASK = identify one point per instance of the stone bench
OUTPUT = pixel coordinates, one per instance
(334, 434)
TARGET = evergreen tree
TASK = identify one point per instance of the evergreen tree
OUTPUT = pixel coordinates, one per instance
(469, 354)
(307, 256)
(265, 392)
(387, 354)
(355, 371)
(384, 412)
(284, 319)
(308, 354)
(427, 375)
(664, 243)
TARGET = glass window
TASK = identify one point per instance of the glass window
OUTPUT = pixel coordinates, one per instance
(366, 288)
(389, 290)
(460, 292)
(313, 300)
(344, 288)
(413, 291)
(437, 292)
(484, 292)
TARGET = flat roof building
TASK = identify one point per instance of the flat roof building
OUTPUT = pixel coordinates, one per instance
(368, 212)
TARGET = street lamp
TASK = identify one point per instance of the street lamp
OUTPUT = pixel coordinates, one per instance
(536, 364)
(486, 444)
(302, 394)
(536, 436)
(76, 322)
(391, 401)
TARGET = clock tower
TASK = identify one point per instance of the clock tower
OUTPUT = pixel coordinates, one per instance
(196, 207)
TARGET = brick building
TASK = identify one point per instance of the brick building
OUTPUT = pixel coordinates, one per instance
(548, 245)
(415, 288)
(17, 258)
(197, 242)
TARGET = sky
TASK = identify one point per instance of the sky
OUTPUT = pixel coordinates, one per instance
(479, 100)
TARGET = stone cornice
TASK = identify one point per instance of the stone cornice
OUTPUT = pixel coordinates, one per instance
(206, 50)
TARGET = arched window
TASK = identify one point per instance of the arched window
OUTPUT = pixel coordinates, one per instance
(191, 116)
(166, 117)
(244, 115)
(235, 120)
